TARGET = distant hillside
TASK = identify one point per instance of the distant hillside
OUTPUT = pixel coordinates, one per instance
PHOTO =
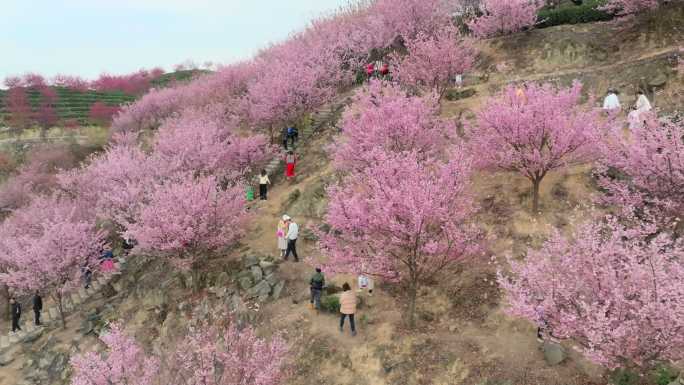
(177, 76)
(75, 105)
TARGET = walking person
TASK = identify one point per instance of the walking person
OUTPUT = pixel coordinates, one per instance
(292, 234)
(87, 275)
(317, 282)
(370, 70)
(15, 311)
(281, 233)
(263, 185)
(612, 103)
(290, 162)
(37, 307)
(636, 117)
(347, 308)
(292, 135)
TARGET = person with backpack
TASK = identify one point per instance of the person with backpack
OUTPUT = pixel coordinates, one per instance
(15, 311)
(317, 282)
(292, 135)
(347, 308)
(37, 307)
(290, 162)
(263, 185)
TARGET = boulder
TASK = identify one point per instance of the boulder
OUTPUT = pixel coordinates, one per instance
(554, 353)
(155, 299)
(271, 279)
(245, 283)
(257, 274)
(222, 280)
(32, 336)
(261, 288)
(658, 80)
(268, 267)
(250, 260)
(278, 289)
(6, 359)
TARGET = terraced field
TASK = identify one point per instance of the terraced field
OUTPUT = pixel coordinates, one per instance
(72, 104)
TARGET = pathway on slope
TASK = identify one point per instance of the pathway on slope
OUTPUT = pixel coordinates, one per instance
(50, 314)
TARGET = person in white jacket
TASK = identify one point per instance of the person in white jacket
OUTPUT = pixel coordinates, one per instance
(611, 102)
(292, 235)
(642, 107)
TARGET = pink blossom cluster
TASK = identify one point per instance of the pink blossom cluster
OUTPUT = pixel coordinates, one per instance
(134, 83)
(613, 289)
(630, 7)
(45, 245)
(433, 61)
(502, 17)
(211, 355)
(652, 158)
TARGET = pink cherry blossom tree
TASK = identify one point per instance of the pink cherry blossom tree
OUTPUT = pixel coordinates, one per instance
(47, 114)
(384, 117)
(215, 354)
(433, 61)
(652, 158)
(534, 131)
(113, 184)
(611, 289)
(18, 108)
(630, 7)
(375, 229)
(219, 355)
(189, 219)
(124, 364)
(503, 17)
(44, 246)
(202, 142)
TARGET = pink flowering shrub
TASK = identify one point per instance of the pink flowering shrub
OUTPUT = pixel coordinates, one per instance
(630, 7)
(503, 17)
(535, 130)
(208, 355)
(187, 219)
(385, 118)
(652, 157)
(124, 364)
(610, 289)
(432, 62)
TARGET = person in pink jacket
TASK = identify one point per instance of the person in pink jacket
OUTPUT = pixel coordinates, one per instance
(347, 307)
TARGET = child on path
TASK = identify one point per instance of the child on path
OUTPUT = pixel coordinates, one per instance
(263, 185)
(281, 233)
(290, 162)
(347, 308)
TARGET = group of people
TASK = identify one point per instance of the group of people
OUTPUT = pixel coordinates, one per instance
(15, 311)
(377, 69)
(635, 117)
(264, 181)
(287, 234)
(347, 298)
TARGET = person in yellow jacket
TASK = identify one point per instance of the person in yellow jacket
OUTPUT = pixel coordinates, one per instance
(347, 308)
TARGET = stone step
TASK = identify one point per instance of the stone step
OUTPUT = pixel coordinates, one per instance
(4, 342)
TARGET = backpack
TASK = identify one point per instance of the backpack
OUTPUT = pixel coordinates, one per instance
(290, 131)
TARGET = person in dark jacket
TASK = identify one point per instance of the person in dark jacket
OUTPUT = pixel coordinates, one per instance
(15, 310)
(317, 283)
(37, 307)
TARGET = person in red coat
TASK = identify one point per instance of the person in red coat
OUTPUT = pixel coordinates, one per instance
(290, 162)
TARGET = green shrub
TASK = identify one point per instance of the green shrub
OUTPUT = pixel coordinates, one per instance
(455, 94)
(664, 375)
(330, 303)
(624, 377)
(573, 14)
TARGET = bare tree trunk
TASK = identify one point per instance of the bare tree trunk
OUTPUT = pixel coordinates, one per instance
(60, 306)
(413, 293)
(535, 195)
(4, 303)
